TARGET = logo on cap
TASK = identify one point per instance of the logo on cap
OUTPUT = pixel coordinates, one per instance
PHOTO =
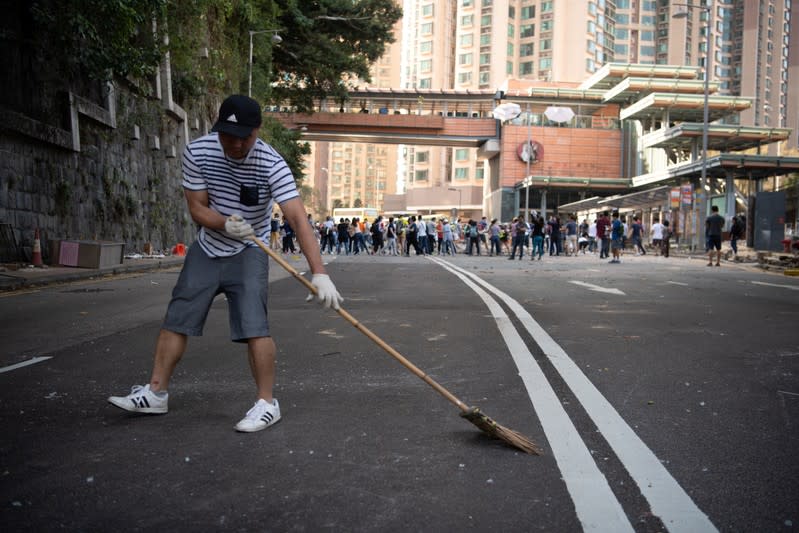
(231, 118)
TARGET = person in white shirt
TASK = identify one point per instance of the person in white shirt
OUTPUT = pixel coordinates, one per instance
(657, 236)
(592, 244)
(421, 234)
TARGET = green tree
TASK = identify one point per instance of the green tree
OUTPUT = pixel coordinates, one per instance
(327, 45)
(98, 38)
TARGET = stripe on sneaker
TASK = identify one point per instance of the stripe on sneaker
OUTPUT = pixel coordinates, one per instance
(140, 402)
(267, 417)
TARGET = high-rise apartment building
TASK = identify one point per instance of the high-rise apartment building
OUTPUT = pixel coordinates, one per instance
(361, 174)
(481, 44)
(749, 49)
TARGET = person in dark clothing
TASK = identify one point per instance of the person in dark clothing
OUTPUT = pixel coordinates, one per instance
(713, 228)
(538, 238)
(665, 244)
(412, 237)
(603, 233)
(736, 232)
(343, 236)
(554, 236)
(288, 237)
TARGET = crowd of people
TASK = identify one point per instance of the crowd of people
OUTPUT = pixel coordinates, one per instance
(607, 236)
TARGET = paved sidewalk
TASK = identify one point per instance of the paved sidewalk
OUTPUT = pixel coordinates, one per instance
(29, 276)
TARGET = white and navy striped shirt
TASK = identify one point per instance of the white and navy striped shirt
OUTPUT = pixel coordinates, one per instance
(206, 168)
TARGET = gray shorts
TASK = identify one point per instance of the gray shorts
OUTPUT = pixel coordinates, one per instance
(243, 278)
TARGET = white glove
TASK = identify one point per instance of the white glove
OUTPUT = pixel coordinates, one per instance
(326, 292)
(237, 227)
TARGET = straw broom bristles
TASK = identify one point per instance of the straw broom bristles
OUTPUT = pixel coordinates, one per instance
(490, 427)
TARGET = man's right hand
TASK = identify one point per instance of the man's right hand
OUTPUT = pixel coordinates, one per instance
(237, 227)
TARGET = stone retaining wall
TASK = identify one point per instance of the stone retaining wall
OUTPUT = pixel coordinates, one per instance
(92, 161)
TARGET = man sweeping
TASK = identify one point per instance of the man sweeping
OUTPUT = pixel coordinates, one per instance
(231, 179)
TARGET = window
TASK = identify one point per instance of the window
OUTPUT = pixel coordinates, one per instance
(545, 63)
(622, 19)
(464, 78)
(546, 44)
(422, 157)
(647, 35)
(426, 28)
(426, 83)
(467, 3)
(527, 30)
(420, 175)
(427, 10)
(462, 154)
(426, 65)
(465, 59)
(485, 77)
(425, 47)
(647, 50)
(466, 40)
(485, 59)
(622, 35)
(509, 67)
(511, 12)
(526, 49)
(546, 7)
(485, 39)
(511, 29)
(485, 20)
(546, 25)
(621, 50)
(461, 173)
(527, 12)
(467, 20)
(526, 68)
(510, 49)
(479, 173)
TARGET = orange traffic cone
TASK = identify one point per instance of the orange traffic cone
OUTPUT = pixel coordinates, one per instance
(179, 249)
(37, 250)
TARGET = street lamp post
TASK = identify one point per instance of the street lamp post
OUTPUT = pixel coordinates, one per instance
(706, 118)
(459, 198)
(529, 157)
(276, 39)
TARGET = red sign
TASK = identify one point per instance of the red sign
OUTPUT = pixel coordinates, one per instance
(532, 151)
(674, 196)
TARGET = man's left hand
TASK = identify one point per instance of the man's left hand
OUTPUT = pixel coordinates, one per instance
(326, 292)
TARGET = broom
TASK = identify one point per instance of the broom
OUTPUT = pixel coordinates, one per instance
(472, 414)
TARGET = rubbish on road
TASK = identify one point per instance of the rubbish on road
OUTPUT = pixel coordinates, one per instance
(472, 414)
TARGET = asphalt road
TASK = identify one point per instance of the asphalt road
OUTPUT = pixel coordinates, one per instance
(664, 394)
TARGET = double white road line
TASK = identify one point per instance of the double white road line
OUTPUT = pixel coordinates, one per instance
(597, 507)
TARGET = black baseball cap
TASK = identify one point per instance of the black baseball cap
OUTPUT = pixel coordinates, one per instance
(238, 115)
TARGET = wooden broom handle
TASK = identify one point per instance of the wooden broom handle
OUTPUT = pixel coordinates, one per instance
(363, 329)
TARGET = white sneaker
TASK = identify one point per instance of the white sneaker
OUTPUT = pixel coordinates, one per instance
(142, 400)
(262, 415)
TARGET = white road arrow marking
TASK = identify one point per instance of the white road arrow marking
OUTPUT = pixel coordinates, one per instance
(24, 363)
(597, 288)
(792, 287)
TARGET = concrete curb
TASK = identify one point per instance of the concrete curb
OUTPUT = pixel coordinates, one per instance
(24, 278)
